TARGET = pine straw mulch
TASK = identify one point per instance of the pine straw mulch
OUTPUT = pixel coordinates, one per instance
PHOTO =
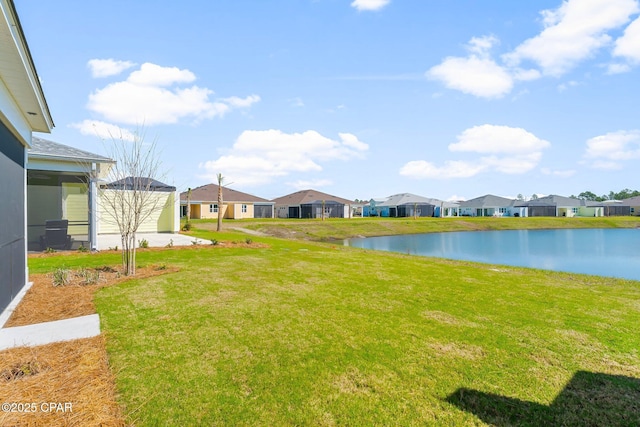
(45, 302)
(76, 372)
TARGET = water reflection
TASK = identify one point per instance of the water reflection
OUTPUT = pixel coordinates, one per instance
(605, 252)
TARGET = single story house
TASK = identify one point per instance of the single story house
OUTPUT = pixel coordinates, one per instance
(62, 184)
(615, 208)
(161, 211)
(634, 205)
(23, 110)
(402, 205)
(313, 204)
(489, 205)
(235, 204)
(555, 205)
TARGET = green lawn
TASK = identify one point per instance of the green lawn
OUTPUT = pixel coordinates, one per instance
(304, 333)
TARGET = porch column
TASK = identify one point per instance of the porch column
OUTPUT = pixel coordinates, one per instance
(93, 209)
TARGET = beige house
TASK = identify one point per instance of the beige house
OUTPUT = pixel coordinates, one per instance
(634, 205)
(161, 212)
(203, 204)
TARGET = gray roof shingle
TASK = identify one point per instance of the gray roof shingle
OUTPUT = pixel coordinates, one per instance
(42, 148)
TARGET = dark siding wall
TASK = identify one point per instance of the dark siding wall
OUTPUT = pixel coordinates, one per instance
(12, 233)
(542, 211)
(262, 211)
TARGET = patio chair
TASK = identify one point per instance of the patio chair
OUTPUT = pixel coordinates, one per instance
(55, 235)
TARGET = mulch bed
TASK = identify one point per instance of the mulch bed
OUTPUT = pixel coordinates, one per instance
(68, 383)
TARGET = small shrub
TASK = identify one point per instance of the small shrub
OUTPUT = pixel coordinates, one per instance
(82, 248)
(248, 240)
(195, 242)
(107, 269)
(144, 243)
(115, 248)
(170, 244)
(161, 267)
(88, 277)
(61, 277)
(49, 251)
(214, 242)
(186, 227)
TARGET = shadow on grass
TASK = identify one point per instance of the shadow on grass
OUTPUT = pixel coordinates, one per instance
(589, 399)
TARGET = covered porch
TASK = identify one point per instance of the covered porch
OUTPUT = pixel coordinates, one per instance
(62, 194)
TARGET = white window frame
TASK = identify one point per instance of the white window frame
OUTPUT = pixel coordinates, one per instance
(213, 208)
(244, 209)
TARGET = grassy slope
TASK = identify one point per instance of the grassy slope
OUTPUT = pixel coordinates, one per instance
(336, 229)
(309, 334)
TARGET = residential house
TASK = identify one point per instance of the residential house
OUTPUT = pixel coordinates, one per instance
(62, 183)
(235, 204)
(160, 213)
(615, 208)
(489, 205)
(23, 110)
(634, 205)
(313, 204)
(555, 205)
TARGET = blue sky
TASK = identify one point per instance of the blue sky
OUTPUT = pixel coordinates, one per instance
(365, 98)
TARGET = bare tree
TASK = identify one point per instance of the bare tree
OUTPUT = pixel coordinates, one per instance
(188, 224)
(130, 198)
(220, 181)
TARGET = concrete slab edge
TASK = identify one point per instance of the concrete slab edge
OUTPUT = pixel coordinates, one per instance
(50, 332)
(6, 314)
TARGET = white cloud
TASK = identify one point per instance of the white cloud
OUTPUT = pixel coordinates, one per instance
(369, 4)
(628, 45)
(559, 173)
(303, 185)
(151, 96)
(156, 75)
(481, 77)
(107, 67)
(512, 151)
(258, 156)
(420, 169)
(618, 68)
(564, 86)
(572, 33)
(476, 74)
(498, 139)
(610, 150)
(102, 130)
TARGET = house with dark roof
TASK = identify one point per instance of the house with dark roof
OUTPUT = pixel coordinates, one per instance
(160, 213)
(62, 184)
(410, 205)
(554, 205)
(489, 205)
(203, 203)
(23, 110)
(633, 203)
(313, 204)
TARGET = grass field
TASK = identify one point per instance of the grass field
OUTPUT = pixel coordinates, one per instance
(337, 229)
(305, 333)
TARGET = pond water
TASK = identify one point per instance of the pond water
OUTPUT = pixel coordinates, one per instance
(602, 252)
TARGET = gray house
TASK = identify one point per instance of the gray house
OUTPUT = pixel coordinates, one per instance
(555, 205)
(489, 205)
(23, 110)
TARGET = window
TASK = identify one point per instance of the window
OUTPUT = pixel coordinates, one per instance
(503, 210)
(244, 208)
(213, 208)
(574, 210)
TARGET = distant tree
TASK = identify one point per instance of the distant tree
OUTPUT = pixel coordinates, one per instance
(520, 196)
(534, 196)
(587, 195)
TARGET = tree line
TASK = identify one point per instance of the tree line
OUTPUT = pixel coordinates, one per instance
(623, 194)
